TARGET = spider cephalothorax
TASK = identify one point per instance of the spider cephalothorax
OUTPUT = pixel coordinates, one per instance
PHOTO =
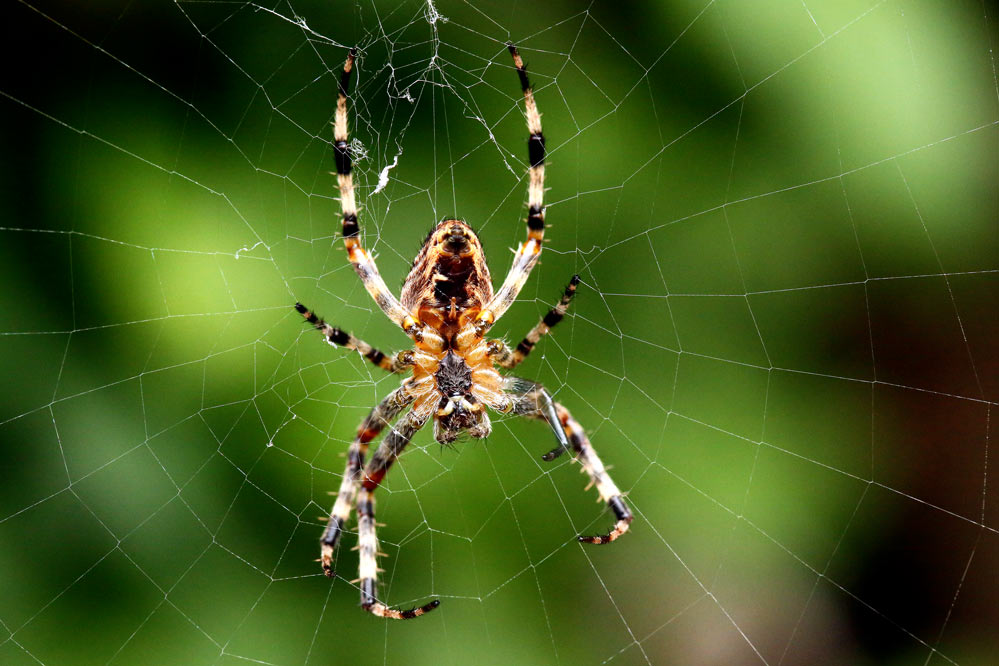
(458, 409)
(447, 307)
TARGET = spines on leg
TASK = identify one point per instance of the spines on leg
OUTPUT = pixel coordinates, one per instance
(527, 253)
(595, 469)
(341, 149)
(368, 547)
(381, 610)
(624, 518)
(551, 318)
(338, 336)
(535, 152)
(377, 419)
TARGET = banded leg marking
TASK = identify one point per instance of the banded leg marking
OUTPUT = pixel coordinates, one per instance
(527, 254)
(344, 179)
(368, 546)
(379, 417)
(535, 402)
(362, 261)
(386, 454)
(594, 467)
(511, 359)
(535, 153)
(337, 336)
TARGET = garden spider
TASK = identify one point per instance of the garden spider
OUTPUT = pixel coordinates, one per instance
(447, 307)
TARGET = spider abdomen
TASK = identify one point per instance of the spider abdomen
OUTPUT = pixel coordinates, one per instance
(449, 282)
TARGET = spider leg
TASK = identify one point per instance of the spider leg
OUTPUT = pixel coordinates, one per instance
(337, 336)
(535, 402)
(374, 472)
(527, 254)
(380, 416)
(361, 259)
(511, 359)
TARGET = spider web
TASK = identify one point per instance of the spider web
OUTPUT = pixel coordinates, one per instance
(784, 214)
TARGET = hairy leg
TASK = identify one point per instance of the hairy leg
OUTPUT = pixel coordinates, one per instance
(379, 417)
(533, 401)
(508, 358)
(361, 259)
(337, 336)
(387, 453)
(527, 254)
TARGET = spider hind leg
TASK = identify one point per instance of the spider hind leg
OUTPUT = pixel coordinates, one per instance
(386, 454)
(533, 401)
(368, 542)
(379, 417)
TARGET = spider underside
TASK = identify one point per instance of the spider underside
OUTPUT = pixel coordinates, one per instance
(447, 307)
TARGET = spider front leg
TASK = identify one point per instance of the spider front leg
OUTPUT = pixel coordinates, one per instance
(361, 259)
(374, 472)
(337, 336)
(533, 401)
(510, 359)
(527, 254)
(379, 417)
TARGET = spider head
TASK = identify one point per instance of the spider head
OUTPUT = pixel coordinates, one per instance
(458, 410)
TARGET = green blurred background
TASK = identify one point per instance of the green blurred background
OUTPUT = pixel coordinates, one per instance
(786, 219)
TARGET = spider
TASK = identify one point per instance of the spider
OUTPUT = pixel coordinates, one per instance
(447, 307)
